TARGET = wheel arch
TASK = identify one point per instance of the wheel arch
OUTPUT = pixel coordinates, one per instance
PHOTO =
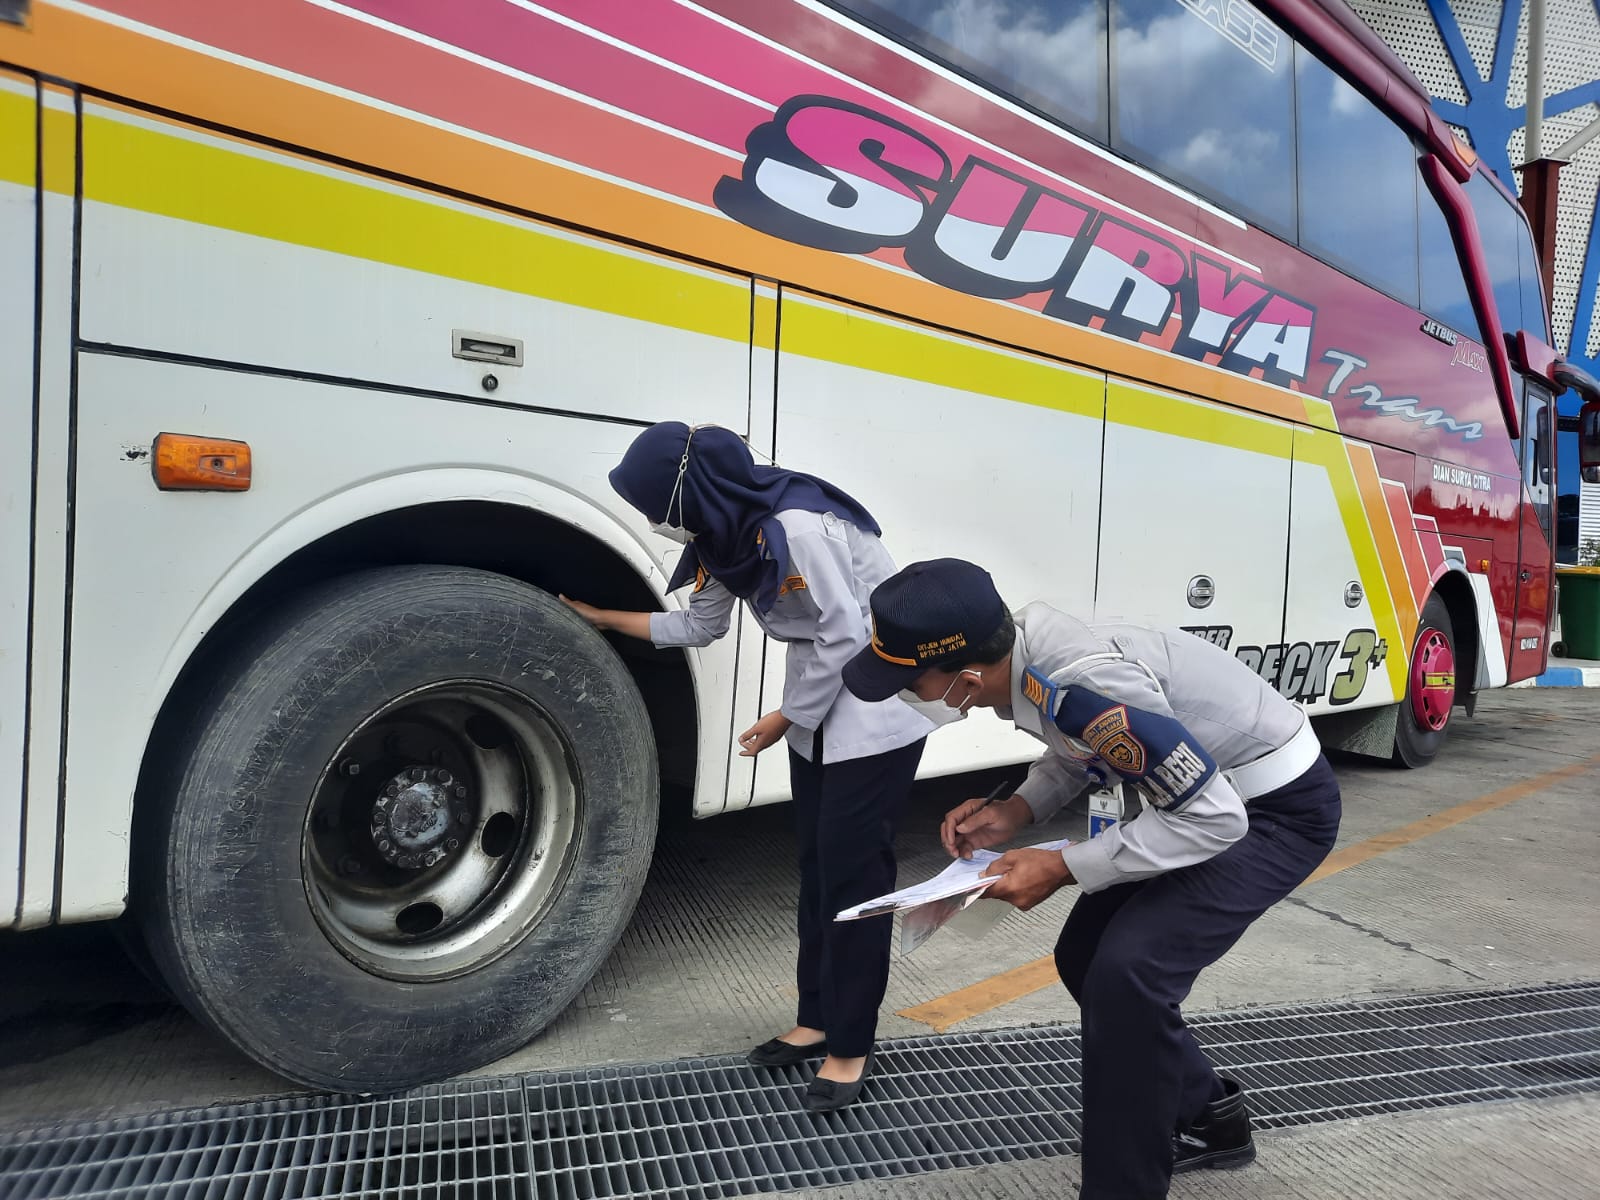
(1454, 588)
(513, 525)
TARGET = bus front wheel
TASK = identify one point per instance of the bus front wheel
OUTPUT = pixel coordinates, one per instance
(407, 822)
(1424, 717)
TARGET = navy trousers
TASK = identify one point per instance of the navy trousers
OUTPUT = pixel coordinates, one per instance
(1129, 955)
(845, 819)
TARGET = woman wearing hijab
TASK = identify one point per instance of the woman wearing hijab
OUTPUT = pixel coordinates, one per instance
(804, 557)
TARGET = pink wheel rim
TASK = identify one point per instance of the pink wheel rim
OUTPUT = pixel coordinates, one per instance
(1433, 680)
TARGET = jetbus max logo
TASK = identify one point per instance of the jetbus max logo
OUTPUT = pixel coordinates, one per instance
(837, 176)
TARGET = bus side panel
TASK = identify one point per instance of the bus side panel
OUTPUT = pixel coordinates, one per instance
(1193, 491)
(959, 449)
(19, 207)
(180, 264)
(263, 259)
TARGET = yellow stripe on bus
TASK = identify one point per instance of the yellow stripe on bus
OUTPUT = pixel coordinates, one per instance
(764, 322)
(1199, 421)
(1329, 451)
(17, 139)
(856, 339)
(138, 168)
(1319, 414)
(60, 152)
(1387, 538)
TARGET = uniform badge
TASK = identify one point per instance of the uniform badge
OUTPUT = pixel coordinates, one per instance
(794, 583)
(1110, 735)
(1040, 692)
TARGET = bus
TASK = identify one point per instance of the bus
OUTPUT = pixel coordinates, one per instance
(324, 321)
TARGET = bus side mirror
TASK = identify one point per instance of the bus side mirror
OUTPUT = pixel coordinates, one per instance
(1589, 441)
(1565, 375)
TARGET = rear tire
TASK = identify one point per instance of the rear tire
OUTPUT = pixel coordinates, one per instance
(1424, 717)
(408, 822)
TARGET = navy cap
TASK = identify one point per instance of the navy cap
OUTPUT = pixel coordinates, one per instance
(930, 615)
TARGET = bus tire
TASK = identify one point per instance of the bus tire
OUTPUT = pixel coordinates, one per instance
(1424, 718)
(409, 820)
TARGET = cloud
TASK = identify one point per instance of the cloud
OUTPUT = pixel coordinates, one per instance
(1058, 55)
(1213, 152)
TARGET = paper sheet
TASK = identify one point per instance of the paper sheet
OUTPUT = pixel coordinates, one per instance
(960, 877)
(930, 905)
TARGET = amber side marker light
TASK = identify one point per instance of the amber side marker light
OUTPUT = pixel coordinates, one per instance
(182, 462)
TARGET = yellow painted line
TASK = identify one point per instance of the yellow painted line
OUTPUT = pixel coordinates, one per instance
(998, 990)
(890, 348)
(1351, 856)
(138, 168)
(951, 1009)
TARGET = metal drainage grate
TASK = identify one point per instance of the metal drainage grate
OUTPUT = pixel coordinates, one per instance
(716, 1127)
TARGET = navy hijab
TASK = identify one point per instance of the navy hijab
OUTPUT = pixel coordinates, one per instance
(728, 501)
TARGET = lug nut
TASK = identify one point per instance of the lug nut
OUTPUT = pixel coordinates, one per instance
(418, 774)
(383, 801)
(385, 845)
(350, 767)
(392, 790)
(461, 792)
(452, 844)
(443, 776)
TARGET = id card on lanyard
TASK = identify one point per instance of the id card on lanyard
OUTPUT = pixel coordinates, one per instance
(1105, 810)
(1105, 803)
(1110, 803)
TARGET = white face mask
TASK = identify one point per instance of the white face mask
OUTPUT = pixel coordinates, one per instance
(940, 711)
(676, 532)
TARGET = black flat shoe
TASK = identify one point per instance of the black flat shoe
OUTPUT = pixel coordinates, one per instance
(778, 1053)
(824, 1095)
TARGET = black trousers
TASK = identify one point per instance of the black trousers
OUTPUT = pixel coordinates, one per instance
(1130, 954)
(845, 819)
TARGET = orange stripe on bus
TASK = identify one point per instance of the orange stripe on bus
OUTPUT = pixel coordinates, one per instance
(1388, 544)
(1406, 535)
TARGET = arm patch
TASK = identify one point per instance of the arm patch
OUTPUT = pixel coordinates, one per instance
(1040, 692)
(1151, 750)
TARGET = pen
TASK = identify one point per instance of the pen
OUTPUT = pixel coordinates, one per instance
(1005, 786)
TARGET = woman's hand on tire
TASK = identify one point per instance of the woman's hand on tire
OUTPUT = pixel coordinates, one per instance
(595, 616)
(610, 620)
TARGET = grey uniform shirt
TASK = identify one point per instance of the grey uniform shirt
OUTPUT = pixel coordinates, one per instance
(1170, 727)
(822, 613)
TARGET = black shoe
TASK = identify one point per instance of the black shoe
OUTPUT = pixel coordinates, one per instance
(1219, 1138)
(779, 1053)
(824, 1095)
